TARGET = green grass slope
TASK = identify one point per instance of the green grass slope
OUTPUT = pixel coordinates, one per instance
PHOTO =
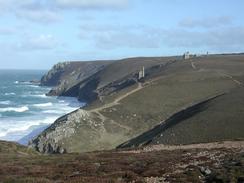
(122, 68)
(12, 148)
(129, 112)
(222, 119)
(219, 119)
(115, 76)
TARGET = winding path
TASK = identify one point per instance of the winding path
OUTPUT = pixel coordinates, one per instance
(193, 65)
(139, 87)
(115, 102)
(231, 77)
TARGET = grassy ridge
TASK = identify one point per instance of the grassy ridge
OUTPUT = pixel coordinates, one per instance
(189, 165)
(168, 87)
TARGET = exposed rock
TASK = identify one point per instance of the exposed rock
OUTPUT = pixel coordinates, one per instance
(53, 77)
(37, 82)
(206, 171)
(169, 86)
(79, 131)
(89, 81)
(66, 75)
(50, 141)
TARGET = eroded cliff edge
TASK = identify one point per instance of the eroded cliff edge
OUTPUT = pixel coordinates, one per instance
(66, 75)
(125, 107)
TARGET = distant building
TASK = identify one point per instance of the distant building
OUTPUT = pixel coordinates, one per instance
(186, 55)
(141, 73)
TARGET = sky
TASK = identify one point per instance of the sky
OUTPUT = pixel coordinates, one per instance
(36, 34)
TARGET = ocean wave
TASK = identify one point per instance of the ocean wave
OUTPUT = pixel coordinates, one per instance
(7, 94)
(53, 112)
(24, 127)
(35, 92)
(26, 82)
(42, 111)
(36, 96)
(43, 105)
(41, 96)
(14, 109)
(4, 132)
(34, 86)
(5, 102)
(16, 82)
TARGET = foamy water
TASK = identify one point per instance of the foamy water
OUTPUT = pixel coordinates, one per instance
(14, 109)
(25, 108)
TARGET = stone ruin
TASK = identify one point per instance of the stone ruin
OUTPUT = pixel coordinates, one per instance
(141, 73)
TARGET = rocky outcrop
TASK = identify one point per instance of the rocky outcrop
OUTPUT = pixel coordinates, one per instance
(89, 81)
(66, 75)
(120, 108)
(49, 141)
(55, 75)
(79, 131)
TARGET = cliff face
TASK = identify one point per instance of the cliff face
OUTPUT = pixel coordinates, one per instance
(121, 107)
(89, 81)
(91, 127)
(55, 75)
(79, 131)
(64, 76)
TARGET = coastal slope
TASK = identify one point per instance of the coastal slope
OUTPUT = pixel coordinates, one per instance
(65, 75)
(90, 81)
(170, 85)
(206, 121)
(212, 162)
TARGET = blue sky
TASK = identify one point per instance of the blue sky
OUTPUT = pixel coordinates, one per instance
(35, 34)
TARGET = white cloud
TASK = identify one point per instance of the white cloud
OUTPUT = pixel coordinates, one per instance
(39, 16)
(228, 39)
(209, 22)
(7, 31)
(66, 4)
(33, 10)
(40, 42)
(10, 5)
(126, 39)
(46, 11)
(117, 36)
(91, 4)
(139, 36)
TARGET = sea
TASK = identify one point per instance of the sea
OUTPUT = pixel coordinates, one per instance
(25, 110)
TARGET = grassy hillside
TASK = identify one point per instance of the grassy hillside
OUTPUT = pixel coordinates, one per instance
(222, 119)
(219, 119)
(125, 67)
(12, 148)
(115, 76)
(209, 163)
(169, 87)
